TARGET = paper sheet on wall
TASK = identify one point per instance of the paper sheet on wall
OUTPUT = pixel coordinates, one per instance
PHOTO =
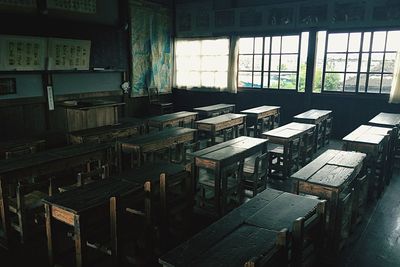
(22, 53)
(81, 6)
(68, 54)
(19, 3)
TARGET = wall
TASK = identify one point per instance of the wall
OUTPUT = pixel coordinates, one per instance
(26, 113)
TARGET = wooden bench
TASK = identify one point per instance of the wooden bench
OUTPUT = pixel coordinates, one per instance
(214, 110)
(261, 119)
(323, 121)
(333, 176)
(16, 148)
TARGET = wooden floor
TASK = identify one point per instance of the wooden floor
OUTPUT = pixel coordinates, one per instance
(375, 242)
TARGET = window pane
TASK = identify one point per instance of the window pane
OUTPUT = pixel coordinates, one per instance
(354, 42)
(246, 45)
(393, 40)
(374, 83)
(207, 79)
(187, 63)
(367, 41)
(289, 63)
(245, 79)
(265, 83)
(334, 82)
(194, 79)
(258, 45)
(337, 42)
(352, 63)
(215, 47)
(221, 79)
(257, 79)
(363, 80)
(287, 81)
(290, 44)
(276, 44)
(364, 62)
(275, 62)
(350, 83)
(267, 43)
(274, 80)
(378, 42)
(245, 62)
(188, 48)
(266, 63)
(182, 78)
(214, 63)
(387, 83)
(376, 62)
(335, 62)
(390, 59)
(257, 62)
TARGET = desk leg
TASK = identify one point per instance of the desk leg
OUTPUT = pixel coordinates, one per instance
(80, 241)
(218, 189)
(49, 233)
(5, 215)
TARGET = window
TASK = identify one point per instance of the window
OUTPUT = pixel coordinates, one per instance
(275, 62)
(360, 62)
(201, 63)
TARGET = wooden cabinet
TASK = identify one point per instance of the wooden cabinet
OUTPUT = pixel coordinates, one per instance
(88, 114)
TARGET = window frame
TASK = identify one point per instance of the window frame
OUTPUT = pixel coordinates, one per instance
(360, 53)
(269, 54)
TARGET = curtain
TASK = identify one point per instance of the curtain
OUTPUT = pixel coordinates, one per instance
(151, 28)
(233, 64)
(395, 91)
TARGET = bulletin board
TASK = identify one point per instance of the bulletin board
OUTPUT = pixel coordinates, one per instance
(22, 53)
(68, 54)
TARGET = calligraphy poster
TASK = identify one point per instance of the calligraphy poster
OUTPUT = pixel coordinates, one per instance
(22, 53)
(68, 54)
(81, 6)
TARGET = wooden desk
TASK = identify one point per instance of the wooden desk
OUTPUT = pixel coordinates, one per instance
(141, 145)
(218, 157)
(88, 114)
(386, 120)
(215, 110)
(374, 141)
(176, 119)
(43, 163)
(332, 176)
(287, 136)
(244, 232)
(222, 122)
(256, 117)
(31, 144)
(107, 133)
(80, 208)
(322, 119)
